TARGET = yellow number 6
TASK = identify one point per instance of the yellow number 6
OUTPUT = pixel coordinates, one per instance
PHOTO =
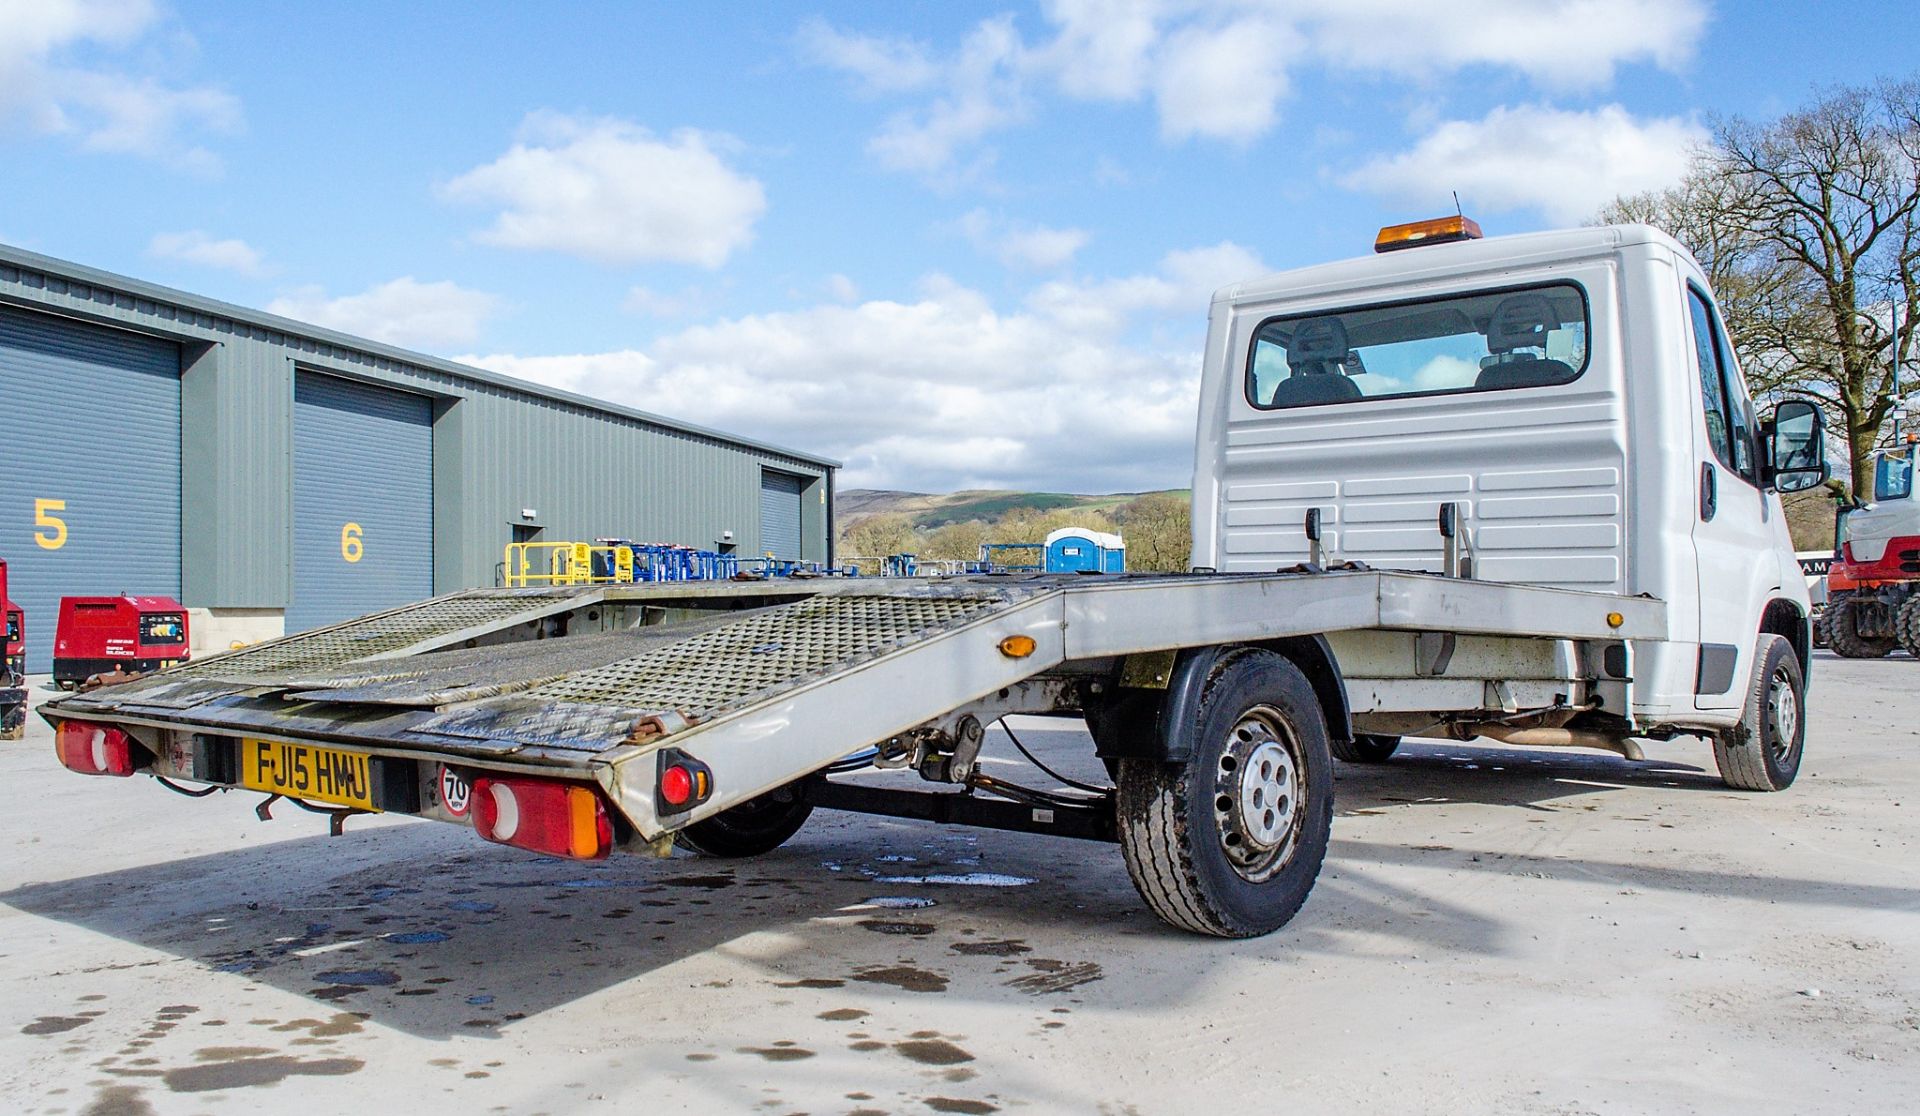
(351, 548)
(58, 537)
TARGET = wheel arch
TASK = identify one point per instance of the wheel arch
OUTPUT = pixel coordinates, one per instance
(1132, 725)
(1783, 617)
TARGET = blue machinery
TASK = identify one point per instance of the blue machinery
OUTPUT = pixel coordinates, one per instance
(623, 562)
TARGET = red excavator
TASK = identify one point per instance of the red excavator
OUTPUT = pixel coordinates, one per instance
(13, 668)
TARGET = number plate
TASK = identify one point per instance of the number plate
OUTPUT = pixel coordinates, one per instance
(304, 771)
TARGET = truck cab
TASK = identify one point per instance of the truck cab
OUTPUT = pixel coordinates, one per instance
(1566, 405)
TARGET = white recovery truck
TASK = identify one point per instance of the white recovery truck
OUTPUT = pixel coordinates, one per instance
(1510, 488)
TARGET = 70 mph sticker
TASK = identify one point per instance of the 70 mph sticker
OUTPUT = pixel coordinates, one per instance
(455, 792)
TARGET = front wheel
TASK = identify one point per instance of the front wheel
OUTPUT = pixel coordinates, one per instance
(1762, 752)
(1229, 841)
(759, 825)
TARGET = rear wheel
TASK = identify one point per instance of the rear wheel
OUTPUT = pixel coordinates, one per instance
(1762, 752)
(1843, 633)
(757, 826)
(1906, 624)
(1366, 748)
(1229, 841)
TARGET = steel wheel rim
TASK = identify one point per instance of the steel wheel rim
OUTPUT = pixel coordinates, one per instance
(1259, 794)
(1783, 714)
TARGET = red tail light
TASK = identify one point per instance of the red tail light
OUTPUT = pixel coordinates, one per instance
(684, 782)
(91, 748)
(543, 815)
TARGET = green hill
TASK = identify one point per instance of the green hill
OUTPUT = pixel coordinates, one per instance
(926, 510)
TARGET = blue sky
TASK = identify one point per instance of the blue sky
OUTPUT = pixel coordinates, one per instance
(954, 245)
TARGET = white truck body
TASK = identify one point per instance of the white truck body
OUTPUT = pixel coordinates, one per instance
(1545, 534)
(1594, 484)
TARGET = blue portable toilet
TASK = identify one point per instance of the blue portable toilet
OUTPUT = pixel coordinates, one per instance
(1078, 550)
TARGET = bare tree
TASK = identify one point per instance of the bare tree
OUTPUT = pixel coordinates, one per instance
(1809, 228)
(1158, 531)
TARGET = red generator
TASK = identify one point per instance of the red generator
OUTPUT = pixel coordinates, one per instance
(13, 667)
(101, 635)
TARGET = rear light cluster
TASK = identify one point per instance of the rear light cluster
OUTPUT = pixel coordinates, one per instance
(684, 782)
(91, 748)
(544, 816)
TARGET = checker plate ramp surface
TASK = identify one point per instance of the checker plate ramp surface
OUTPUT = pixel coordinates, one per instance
(373, 635)
(724, 667)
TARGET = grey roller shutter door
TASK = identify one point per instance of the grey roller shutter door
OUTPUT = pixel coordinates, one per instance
(780, 514)
(362, 500)
(91, 429)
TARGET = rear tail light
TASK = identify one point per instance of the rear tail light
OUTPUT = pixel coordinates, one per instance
(93, 749)
(543, 815)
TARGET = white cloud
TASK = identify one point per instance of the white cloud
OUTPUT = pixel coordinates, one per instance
(1183, 282)
(197, 247)
(1220, 69)
(1565, 164)
(401, 311)
(656, 304)
(1224, 82)
(1558, 44)
(884, 65)
(983, 93)
(842, 289)
(1021, 245)
(45, 91)
(611, 191)
(943, 390)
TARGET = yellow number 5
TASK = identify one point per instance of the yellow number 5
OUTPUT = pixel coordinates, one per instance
(351, 548)
(55, 536)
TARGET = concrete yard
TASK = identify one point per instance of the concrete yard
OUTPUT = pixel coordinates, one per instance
(1496, 930)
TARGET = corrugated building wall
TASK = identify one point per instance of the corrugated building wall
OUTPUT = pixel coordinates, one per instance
(500, 447)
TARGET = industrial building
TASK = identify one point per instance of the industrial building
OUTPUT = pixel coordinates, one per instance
(276, 476)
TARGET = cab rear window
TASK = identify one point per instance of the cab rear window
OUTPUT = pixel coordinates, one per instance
(1491, 341)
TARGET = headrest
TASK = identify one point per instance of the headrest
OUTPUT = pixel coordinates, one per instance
(1521, 321)
(1317, 339)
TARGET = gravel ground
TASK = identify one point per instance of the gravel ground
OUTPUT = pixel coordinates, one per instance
(1497, 930)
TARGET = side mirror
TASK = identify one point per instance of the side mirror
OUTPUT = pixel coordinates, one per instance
(1797, 446)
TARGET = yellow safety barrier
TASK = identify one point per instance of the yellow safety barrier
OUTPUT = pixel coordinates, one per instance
(566, 563)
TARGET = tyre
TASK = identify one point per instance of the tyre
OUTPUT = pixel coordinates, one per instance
(1229, 841)
(1762, 752)
(759, 825)
(1906, 623)
(1843, 634)
(1366, 748)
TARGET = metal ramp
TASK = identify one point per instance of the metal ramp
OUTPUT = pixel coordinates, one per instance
(765, 686)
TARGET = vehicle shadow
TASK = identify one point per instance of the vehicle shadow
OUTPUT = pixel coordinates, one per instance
(422, 929)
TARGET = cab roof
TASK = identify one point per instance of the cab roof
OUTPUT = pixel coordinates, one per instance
(1438, 261)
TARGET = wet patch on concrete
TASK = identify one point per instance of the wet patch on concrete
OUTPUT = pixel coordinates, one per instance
(247, 1073)
(1005, 947)
(1056, 976)
(705, 883)
(932, 1052)
(118, 1100)
(905, 929)
(55, 1024)
(904, 977)
(417, 937)
(778, 1052)
(811, 982)
(842, 1015)
(958, 1105)
(360, 978)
